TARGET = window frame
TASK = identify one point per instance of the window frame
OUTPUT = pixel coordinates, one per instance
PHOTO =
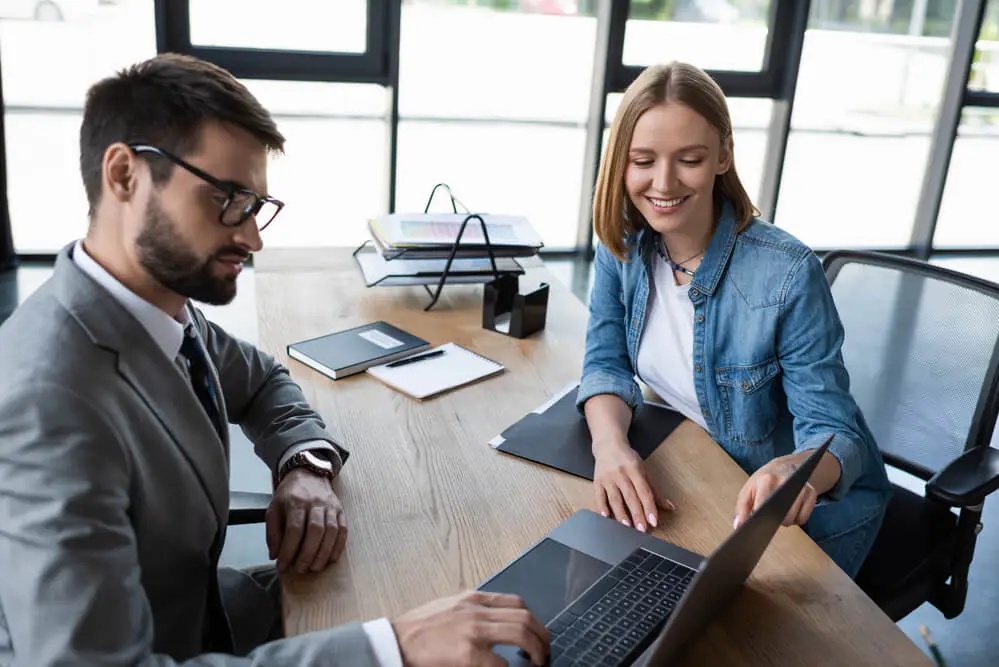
(775, 80)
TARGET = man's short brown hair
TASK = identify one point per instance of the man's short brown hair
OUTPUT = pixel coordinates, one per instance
(166, 102)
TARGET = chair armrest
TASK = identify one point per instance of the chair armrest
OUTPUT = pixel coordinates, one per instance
(247, 507)
(965, 481)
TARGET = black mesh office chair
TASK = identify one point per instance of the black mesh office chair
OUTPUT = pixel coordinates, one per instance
(922, 350)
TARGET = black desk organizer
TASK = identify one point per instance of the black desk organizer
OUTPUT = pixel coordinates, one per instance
(519, 314)
(502, 302)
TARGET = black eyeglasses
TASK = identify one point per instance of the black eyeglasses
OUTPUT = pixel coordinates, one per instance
(240, 203)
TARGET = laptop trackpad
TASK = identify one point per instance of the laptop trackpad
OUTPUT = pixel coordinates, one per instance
(549, 577)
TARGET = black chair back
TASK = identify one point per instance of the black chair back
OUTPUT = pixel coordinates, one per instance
(922, 349)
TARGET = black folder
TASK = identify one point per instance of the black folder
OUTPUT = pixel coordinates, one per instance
(557, 435)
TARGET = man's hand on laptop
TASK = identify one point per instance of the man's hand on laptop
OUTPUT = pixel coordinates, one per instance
(622, 488)
(460, 631)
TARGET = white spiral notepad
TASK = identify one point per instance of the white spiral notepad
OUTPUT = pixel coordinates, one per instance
(452, 369)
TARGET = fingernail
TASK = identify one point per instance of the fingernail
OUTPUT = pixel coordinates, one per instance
(640, 527)
(652, 520)
(735, 522)
(603, 514)
(671, 505)
(626, 522)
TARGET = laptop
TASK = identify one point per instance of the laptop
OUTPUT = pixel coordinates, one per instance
(612, 596)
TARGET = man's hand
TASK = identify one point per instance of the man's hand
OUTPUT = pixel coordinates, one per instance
(460, 631)
(306, 526)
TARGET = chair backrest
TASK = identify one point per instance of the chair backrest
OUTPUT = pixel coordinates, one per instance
(922, 351)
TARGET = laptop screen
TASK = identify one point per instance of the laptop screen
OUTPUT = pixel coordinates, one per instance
(549, 577)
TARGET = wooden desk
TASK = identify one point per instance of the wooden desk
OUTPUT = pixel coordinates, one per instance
(433, 510)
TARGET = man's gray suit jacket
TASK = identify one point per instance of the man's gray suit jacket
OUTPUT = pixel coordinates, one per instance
(114, 488)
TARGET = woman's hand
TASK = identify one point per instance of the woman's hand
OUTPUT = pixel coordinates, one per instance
(765, 481)
(622, 489)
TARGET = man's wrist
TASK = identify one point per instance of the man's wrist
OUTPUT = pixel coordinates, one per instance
(324, 463)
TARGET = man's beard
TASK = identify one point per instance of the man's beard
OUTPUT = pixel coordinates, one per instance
(165, 256)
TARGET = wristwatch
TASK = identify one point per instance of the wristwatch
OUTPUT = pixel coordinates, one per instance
(315, 461)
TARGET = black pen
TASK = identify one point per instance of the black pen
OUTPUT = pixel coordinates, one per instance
(411, 360)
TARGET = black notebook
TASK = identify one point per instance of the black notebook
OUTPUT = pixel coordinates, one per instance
(344, 353)
(556, 434)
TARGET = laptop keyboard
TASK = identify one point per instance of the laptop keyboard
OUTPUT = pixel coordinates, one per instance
(619, 616)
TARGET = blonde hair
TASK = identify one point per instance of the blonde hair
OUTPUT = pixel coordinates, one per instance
(615, 217)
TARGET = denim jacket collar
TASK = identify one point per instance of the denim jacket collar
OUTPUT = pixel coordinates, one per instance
(716, 257)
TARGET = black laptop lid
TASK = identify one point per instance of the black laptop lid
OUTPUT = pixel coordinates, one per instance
(724, 571)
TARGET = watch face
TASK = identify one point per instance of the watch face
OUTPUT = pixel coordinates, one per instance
(314, 460)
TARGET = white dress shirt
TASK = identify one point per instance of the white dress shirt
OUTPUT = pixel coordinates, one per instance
(168, 334)
(666, 351)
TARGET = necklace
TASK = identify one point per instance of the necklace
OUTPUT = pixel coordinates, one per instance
(676, 266)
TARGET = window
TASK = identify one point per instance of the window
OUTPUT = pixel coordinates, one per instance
(693, 30)
(750, 122)
(333, 175)
(965, 220)
(301, 25)
(519, 169)
(864, 111)
(966, 217)
(985, 63)
(52, 52)
(494, 103)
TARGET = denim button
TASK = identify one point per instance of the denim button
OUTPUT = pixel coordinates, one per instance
(697, 368)
(694, 292)
(700, 318)
(704, 412)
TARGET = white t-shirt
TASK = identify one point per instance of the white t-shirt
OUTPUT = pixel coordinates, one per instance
(666, 351)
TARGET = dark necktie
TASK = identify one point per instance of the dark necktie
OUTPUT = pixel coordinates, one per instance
(201, 378)
(216, 634)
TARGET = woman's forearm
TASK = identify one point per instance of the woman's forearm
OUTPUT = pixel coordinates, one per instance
(826, 474)
(608, 417)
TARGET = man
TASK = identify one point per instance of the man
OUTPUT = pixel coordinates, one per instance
(114, 408)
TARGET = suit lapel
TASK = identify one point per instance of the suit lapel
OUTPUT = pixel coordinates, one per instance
(158, 381)
(168, 394)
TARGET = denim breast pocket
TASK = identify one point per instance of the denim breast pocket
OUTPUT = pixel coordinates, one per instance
(749, 397)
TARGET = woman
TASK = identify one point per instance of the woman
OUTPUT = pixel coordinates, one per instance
(726, 317)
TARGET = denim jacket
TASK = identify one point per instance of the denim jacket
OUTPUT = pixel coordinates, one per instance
(768, 370)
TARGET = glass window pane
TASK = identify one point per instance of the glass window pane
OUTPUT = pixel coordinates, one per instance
(532, 170)
(503, 123)
(965, 220)
(860, 134)
(712, 34)
(333, 175)
(459, 61)
(44, 93)
(750, 123)
(291, 25)
(985, 63)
